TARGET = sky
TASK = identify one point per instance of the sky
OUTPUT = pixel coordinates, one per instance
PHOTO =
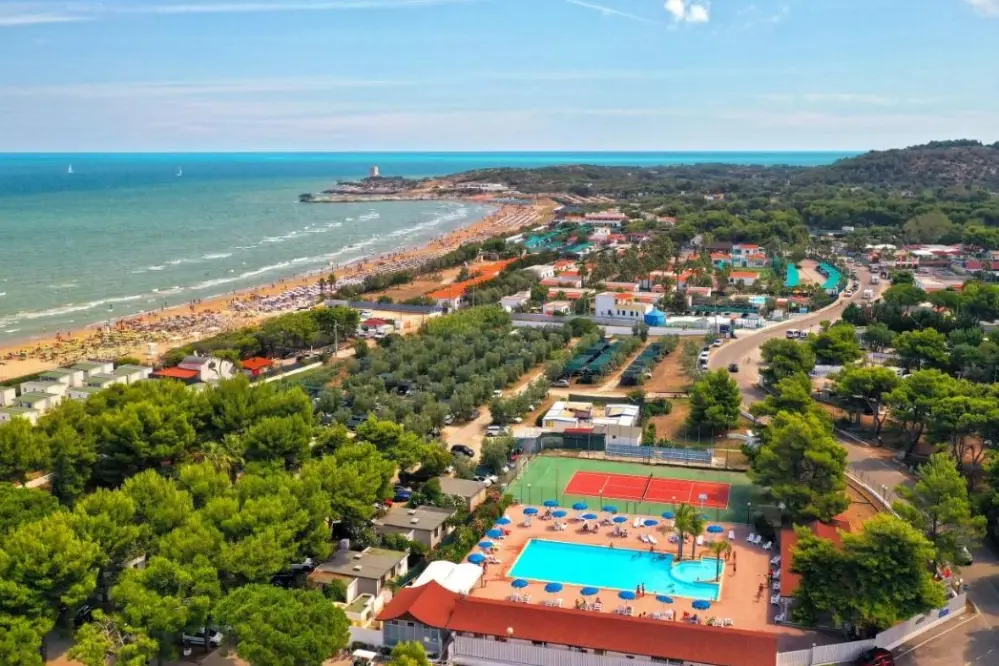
(469, 75)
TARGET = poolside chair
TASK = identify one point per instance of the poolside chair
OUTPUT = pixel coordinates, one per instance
(731, 535)
(768, 545)
(775, 600)
(558, 603)
(779, 619)
(621, 610)
(775, 560)
(598, 607)
(643, 538)
(657, 616)
(514, 597)
(727, 622)
(776, 586)
(750, 538)
(526, 599)
(758, 540)
(590, 607)
(652, 540)
(700, 540)
(637, 523)
(628, 610)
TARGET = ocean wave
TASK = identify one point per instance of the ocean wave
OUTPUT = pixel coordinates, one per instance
(66, 285)
(3, 293)
(178, 262)
(12, 330)
(155, 268)
(176, 289)
(217, 255)
(368, 216)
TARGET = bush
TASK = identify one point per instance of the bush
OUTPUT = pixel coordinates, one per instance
(336, 590)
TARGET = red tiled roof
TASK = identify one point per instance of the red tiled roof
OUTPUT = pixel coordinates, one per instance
(614, 633)
(257, 363)
(743, 274)
(177, 373)
(374, 321)
(789, 539)
(430, 604)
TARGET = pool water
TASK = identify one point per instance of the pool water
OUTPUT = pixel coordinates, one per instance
(617, 568)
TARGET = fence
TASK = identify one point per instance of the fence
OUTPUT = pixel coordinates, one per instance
(889, 639)
(649, 454)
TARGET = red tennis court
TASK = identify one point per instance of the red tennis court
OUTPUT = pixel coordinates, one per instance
(649, 489)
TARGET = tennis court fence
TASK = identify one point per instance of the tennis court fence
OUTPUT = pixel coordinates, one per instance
(650, 454)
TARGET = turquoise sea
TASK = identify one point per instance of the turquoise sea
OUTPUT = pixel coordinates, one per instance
(127, 233)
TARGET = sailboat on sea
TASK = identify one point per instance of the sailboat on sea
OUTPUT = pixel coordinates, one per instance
(180, 172)
(70, 170)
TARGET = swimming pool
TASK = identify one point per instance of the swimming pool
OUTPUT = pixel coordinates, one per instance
(616, 568)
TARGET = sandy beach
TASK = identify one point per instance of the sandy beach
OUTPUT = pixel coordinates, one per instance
(149, 335)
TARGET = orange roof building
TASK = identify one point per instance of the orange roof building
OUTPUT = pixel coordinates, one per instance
(182, 374)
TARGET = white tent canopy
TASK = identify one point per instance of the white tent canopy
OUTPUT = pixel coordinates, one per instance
(459, 578)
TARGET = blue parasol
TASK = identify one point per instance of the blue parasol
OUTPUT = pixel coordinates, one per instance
(494, 534)
(589, 516)
(520, 583)
(701, 604)
(703, 516)
(669, 515)
(503, 521)
(589, 591)
(663, 599)
(610, 509)
(715, 529)
(486, 545)
(579, 506)
(553, 587)
(551, 504)
(627, 595)
(476, 558)
(530, 511)
(650, 522)
(620, 519)
(560, 513)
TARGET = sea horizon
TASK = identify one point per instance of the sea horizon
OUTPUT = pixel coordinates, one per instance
(95, 236)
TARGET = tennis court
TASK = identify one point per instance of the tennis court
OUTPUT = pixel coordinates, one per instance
(724, 495)
(605, 485)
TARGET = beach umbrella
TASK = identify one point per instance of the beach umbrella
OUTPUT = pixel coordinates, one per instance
(704, 516)
(627, 595)
(561, 513)
(476, 558)
(589, 516)
(715, 529)
(589, 591)
(530, 511)
(486, 545)
(669, 515)
(520, 583)
(579, 506)
(650, 522)
(610, 509)
(663, 599)
(620, 519)
(551, 504)
(553, 587)
(701, 604)
(503, 521)
(494, 534)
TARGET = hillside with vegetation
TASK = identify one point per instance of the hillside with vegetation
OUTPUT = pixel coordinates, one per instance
(936, 165)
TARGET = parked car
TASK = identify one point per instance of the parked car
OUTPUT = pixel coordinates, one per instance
(484, 479)
(402, 495)
(209, 637)
(876, 657)
(733, 367)
(561, 383)
(285, 579)
(495, 431)
(84, 615)
(305, 566)
(964, 557)
(463, 450)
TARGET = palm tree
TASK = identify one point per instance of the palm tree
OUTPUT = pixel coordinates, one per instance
(681, 524)
(695, 528)
(719, 548)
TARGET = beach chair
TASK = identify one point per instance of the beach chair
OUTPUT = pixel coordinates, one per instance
(775, 600)
(776, 586)
(652, 540)
(768, 545)
(620, 610)
(700, 540)
(668, 615)
(526, 599)
(750, 538)
(628, 610)
(514, 597)
(590, 607)
(727, 622)
(598, 607)
(758, 540)
(779, 619)
(657, 616)
(731, 535)
(637, 523)
(558, 603)
(775, 560)
(643, 538)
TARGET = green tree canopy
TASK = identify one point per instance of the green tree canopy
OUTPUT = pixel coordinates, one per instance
(938, 506)
(904, 295)
(23, 505)
(23, 449)
(270, 626)
(878, 337)
(837, 345)
(859, 387)
(922, 349)
(409, 653)
(20, 642)
(108, 641)
(785, 358)
(803, 466)
(913, 399)
(715, 402)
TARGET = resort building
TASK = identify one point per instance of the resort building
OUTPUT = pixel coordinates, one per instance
(610, 218)
(104, 380)
(617, 424)
(621, 306)
(8, 395)
(557, 308)
(37, 400)
(372, 568)
(475, 631)
(424, 524)
(256, 366)
(209, 368)
(42, 386)
(515, 301)
(543, 271)
(82, 392)
(93, 368)
(65, 376)
(8, 414)
(134, 373)
(472, 492)
(748, 278)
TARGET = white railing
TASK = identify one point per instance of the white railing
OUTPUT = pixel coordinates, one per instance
(840, 653)
(476, 651)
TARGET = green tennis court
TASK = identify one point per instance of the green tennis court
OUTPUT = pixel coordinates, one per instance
(548, 477)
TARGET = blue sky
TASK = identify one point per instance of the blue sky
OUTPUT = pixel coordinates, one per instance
(215, 75)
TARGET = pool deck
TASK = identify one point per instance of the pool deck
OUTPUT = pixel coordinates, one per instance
(741, 580)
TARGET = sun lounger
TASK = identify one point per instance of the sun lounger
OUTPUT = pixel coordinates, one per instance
(700, 540)
(775, 560)
(758, 540)
(598, 607)
(727, 622)
(652, 540)
(775, 600)
(643, 538)
(780, 618)
(776, 586)
(526, 599)
(768, 545)
(558, 603)
(637, 523)
(731, 535)
(628, 610)
(750, 538)
(668, 615)
(657, 616)
(620, 610)
(515, 597)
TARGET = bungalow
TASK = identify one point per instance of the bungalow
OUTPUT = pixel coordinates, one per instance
(376, 327)
(472, 492)
(566, 293)
(180, 374)
(37, 401)
(448, 297)
(514, 301)
(256, 366)
(93, 368)
(63, 376)
(82, 393)
(135, 373)
(542, 271)
(743, 249)
(372, 568)
(40, 386)
(621, 306)
(610, 218)
(747, 278)
(721, 259)
(622, 286)
(476, 631)
(8, 414)
(424, 524)
(557, 307)
(564, 265)
(104, 380)
(8, 395)
(210, 369)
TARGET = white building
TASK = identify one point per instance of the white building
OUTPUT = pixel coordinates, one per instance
(543, 271)
(93, 368)
(209, 368)
(747, 278)
(133, 373)
(515, 301)
(7, 396)
(37, 401)
(82, 392)
(66, 376)
(40, 386)
(8, 414)
(621, 306)
(104, 380)
(557, 307)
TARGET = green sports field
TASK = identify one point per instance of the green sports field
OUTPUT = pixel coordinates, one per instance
(546, 478)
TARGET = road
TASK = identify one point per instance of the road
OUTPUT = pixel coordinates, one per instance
(973, 639)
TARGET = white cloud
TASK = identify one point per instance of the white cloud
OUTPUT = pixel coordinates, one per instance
(987, 7)
(688, 11)
(610, 11)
